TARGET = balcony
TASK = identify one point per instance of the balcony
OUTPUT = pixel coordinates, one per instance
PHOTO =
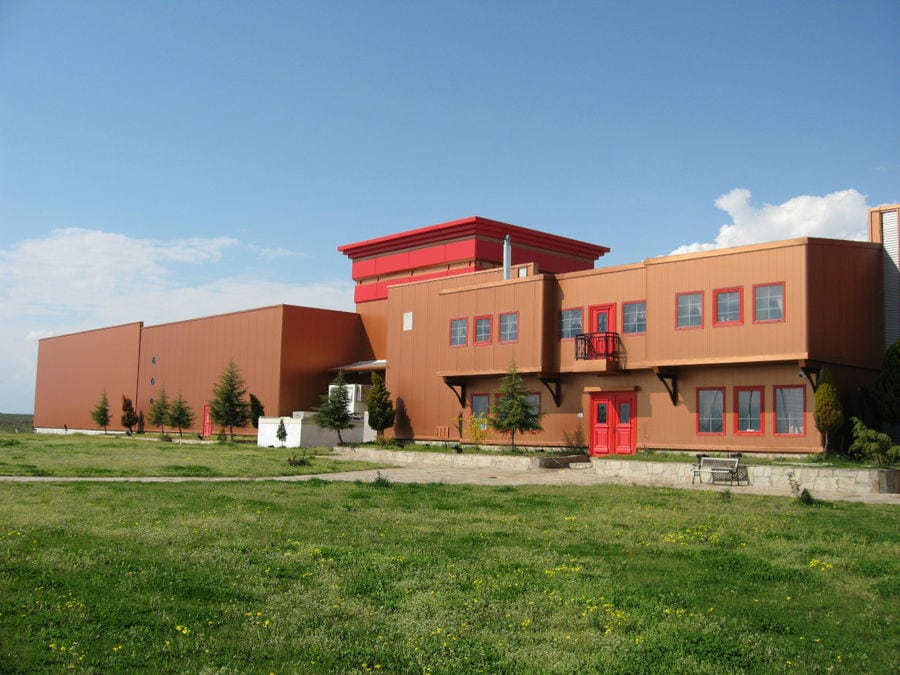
(602, 347)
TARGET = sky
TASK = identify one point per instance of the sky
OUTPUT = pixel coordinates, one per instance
(168, 160)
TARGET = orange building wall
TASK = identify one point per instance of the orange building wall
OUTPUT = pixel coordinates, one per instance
(315, 341)
(74, 371)
(190, 356)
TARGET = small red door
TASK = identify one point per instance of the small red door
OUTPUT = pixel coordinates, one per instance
(613, 424)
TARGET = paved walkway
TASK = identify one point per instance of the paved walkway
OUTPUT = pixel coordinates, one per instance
(462, 475)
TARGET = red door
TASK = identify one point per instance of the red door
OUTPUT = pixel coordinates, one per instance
(602, 320)
(613, 424)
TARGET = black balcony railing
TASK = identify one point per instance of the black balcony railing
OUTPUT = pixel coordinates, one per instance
(597, 346)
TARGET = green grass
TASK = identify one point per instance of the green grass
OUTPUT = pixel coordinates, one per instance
(16, 424)
(320, 577)
(94, 456)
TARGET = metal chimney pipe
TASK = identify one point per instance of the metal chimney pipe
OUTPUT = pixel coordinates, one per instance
(507, 256)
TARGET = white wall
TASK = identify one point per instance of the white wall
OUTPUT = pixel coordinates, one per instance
(302, 432)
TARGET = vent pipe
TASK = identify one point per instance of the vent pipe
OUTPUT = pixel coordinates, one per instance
(507, 256)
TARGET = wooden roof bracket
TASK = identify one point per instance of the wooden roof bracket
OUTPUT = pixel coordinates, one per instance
(554, 386)
(458, 387)
(669, 378)
(811, 373)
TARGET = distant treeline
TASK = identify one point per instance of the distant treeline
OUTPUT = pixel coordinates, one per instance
(16, 424)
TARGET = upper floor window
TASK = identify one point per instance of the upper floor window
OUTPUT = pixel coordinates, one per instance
(748, 408)
(634, 317)
(710, 411)
(482, 330)
(790, 403)
(768, 302)
(690, 310)
(458, 332)
(569, 323)
(729, 306)
(509, 327)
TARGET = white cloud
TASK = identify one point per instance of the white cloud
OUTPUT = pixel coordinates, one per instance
(79, 279)
(839, 215)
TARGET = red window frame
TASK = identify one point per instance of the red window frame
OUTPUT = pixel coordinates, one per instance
(450, 332)
(762, 411)
(500, 324)
(636, 302)
(580, 311)
(715, 309)
(702, 317)
(475, 320)
(775, 389)
(721, 390)
(783, 302)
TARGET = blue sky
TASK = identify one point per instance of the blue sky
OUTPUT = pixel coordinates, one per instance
(165, 160)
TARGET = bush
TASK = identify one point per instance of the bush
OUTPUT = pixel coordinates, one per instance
(873, 446)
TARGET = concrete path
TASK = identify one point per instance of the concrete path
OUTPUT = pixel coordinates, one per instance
(463, 475)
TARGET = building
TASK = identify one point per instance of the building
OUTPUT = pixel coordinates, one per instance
(710, 351)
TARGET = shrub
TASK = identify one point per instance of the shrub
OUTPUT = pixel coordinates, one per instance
(873, 446)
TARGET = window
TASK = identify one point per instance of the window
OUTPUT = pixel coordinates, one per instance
(748, 407)
(729, 307)
(790, 403)
(509, 327)
(768, 302)
(482, 330)
(569, 323)
(480, 405)
(690, 310)
(458, 329)
(407, 320)
(534, 403)
(634, 317)
(710, 411)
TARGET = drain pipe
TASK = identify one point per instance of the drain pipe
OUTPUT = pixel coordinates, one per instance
(507, 256)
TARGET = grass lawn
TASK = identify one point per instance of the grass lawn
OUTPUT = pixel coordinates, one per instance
(350, 577)
(94, 456)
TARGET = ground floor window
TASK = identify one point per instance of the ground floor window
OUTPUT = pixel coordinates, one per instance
(790, 404)
(710, 411)
(480, 408)
(748, 408)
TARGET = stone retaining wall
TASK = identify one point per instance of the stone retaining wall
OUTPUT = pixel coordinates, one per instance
(479, 461)
(774, 478)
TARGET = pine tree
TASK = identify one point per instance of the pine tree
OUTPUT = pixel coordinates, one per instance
(334, 413)
(180, 414)
(379, 405)
(228, 407)
(281, 432)
(256, 411)
(159, 412)
(514, 411)
(100, 413)
(129, 416)
(829, 414)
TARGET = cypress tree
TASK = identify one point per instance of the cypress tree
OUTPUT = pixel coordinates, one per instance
(379, 405)
(334, 413)
(514, 411)
(829, 414)
(100, 413)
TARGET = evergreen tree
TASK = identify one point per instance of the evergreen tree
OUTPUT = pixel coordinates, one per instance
(334, 413)
(228, 407)
(887, 386)
(180, 414)
(829, 414)
(159, 411)
(281, 432)
(129, 416)
(379, 405)
(256, 411)
(100, 413)
(514, 411)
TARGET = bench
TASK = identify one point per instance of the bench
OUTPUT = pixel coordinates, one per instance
(720, 468)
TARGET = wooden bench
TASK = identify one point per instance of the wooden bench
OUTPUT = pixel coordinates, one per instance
(720, 468)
